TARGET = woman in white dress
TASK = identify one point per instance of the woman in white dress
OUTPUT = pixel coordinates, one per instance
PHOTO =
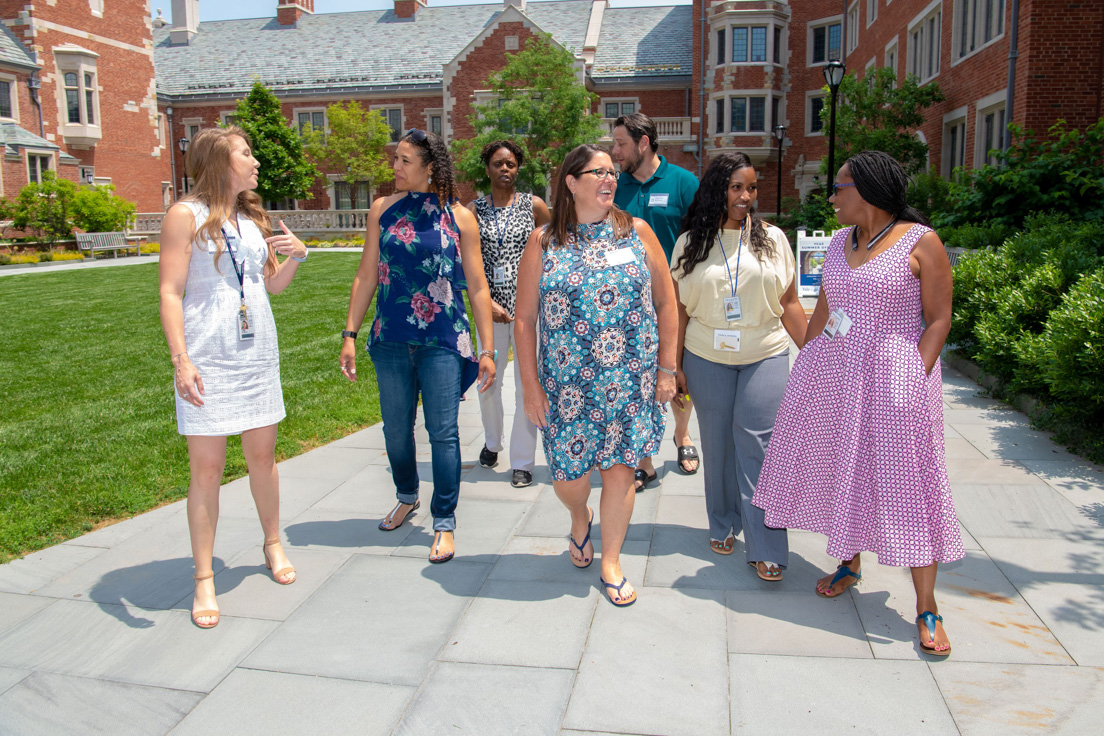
(218, 264)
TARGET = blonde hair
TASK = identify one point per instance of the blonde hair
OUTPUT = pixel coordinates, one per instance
(208, 160)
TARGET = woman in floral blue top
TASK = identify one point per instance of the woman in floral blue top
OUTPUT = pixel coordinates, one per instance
(420, 255)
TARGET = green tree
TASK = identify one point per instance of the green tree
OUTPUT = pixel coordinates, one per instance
(285, 171)
(356, 144)
(541, 104)
(877, 114)
(97, 210)
(44, 208)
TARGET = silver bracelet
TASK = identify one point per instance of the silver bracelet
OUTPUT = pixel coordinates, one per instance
(668, 371)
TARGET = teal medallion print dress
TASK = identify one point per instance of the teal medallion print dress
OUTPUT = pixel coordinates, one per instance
(598, 353)
(420, 297)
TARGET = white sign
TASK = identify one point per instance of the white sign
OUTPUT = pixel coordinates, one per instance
(811, 250)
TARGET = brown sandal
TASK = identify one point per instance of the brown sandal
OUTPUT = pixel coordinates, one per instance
(723, 548)
(282, 571)
(207, 613)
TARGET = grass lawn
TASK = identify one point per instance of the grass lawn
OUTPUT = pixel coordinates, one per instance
(87, 417)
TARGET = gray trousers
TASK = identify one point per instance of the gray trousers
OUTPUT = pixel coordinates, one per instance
(736, 406)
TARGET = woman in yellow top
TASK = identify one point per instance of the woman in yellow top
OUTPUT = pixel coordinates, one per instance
(734, 276)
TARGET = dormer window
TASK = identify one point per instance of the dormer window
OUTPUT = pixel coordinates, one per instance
(78, 93)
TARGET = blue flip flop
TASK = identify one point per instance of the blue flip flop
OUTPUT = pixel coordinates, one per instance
(841, 572)
(618, 588)
(580, 546)
(929, 619)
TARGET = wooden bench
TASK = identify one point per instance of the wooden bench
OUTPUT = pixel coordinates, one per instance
(98, 242)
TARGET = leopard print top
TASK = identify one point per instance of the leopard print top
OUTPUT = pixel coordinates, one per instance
(503, 242)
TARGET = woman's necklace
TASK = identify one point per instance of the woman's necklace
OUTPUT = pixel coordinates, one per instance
(875, 239)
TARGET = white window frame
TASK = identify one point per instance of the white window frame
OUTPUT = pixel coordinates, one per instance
(432, 112)
(852, 41)
(162, 127)
(990, 104)
(893, 49)
(225, 115)
(71, 59)
(868, 71)
(296, 112)
(871, 12)
(955, 121)
(188, 124)
(620, 102)
(13, 91)
(921, 45)
(38, 153)
(96, 7)
(384, 110)
(809, 117)
(768, 36)
(974, 27)
(746, 95)
(824, 23)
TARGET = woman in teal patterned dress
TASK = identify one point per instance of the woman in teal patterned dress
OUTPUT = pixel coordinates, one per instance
(599, 282)
(420, 254)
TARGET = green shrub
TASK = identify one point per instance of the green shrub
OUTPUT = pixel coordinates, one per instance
(96, 210)
(67, 255)
(23, 258)
(45, 256)
(44, 208)
(974, 236)
(149, 248)
(930, 193)
(5, 259)
(814, 212)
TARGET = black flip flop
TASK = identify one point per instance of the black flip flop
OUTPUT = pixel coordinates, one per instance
(642, 479)
(687, 452)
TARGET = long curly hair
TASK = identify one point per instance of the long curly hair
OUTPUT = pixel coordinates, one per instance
(208, 160)
(882, 182)
(709, 210)
(564, 219)
(434, 153)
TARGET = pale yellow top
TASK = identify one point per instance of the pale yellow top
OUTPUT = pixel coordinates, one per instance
(760, 289)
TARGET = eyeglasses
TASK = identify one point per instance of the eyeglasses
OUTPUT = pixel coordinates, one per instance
(415, 134)
(600, 173)
(837, 187)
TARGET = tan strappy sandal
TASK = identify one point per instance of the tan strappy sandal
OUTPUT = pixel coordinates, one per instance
(208, 613)
(281, 572)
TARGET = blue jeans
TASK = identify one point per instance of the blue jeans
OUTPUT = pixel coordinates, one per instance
(402, 371)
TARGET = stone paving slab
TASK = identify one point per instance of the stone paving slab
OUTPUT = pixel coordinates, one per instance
(41, 568)
(1012, 510)
(1075, 615)
(274, 703)
(14, 609)
(9, 678)
(794, 624)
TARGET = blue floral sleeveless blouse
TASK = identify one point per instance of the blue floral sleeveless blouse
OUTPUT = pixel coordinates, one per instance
(599, 346)
(420, 297)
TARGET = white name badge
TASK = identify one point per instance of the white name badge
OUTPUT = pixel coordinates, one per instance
(245, 325)
(838, 324)
(658, 200)
(727, 340)
(732, 309)
(620, 256)
(498, 276)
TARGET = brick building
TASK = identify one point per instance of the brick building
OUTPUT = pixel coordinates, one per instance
(715, 75)
(78, 96)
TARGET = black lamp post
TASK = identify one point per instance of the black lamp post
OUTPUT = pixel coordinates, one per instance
(834, 72)
(780, 135)
(183, 143)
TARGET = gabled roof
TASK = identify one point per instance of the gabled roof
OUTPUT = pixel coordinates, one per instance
(14, 53)
(645, 42)
(13, 137)
(367, 50)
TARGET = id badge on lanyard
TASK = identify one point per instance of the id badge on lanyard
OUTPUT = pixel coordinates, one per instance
(732, 310)
(498, 276)
(246, 330)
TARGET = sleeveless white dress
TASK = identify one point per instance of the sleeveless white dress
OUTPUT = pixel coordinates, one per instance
(241, 378)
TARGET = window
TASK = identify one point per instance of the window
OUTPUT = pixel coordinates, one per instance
(310, 120)
(826, 43)
(925, 37)
(615, 109)
(192, 126)
(816, 103)
(977, 23)
(891, 57)
(777, 44)
(720, 45)
(954, 141)
(747, 115)
(5, 99)
(991, 125)
(871, 12)
(749, 44)
(720, 127)
(228, 119)
(161, 125)
(78, 87)
(279, 205)
(394, 118)
(853, 26)
(352, 196)
(775, 114)
(435, 124)
(37, 164)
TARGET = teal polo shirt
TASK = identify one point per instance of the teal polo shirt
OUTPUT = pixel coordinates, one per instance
(661, 201)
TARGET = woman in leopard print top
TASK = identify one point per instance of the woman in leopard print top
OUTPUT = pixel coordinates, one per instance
(506, 217)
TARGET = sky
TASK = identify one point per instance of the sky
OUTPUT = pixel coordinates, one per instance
(233, 9)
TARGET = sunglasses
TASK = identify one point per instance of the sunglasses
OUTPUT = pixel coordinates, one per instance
(415, 134)
(837, 187)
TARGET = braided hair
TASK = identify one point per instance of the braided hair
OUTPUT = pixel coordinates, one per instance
(434, 153)
(709, 210)
(882, 183)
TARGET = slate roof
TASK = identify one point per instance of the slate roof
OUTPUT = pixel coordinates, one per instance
(13, 137)
(13, 52)
(645, 42)
(371, 50)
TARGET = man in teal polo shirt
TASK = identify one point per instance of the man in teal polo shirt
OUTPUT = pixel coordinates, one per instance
(659, 193)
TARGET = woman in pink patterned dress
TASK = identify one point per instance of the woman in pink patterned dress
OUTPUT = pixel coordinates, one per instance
(857, 451)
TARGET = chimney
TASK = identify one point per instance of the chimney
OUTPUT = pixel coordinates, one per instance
(407, 8)
(519, 4)
(185, 24)
(289, 11)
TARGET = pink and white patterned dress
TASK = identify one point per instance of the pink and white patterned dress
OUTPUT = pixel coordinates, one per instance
(857, 450)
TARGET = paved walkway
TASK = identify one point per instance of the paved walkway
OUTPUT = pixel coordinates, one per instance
(509, 638)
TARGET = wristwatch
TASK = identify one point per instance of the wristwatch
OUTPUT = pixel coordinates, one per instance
(348, 333)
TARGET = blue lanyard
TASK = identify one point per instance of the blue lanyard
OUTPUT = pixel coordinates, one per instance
(239, 273)
(739, 248)
(509, 213)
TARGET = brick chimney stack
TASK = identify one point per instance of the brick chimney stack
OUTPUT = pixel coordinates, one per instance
(408, 8)
(288, 12)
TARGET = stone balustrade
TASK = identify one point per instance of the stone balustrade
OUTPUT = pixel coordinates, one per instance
(304, 223)
(668, 129)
